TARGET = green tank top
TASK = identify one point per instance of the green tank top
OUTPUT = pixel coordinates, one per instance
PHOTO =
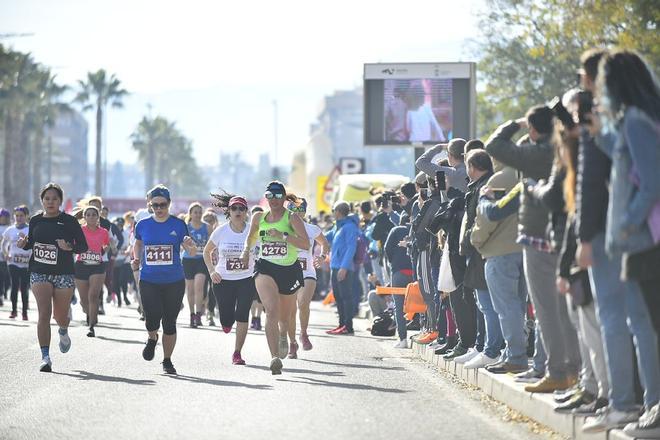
(275, 250)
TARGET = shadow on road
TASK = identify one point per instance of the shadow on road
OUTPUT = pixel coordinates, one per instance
(86, 375)
(349, 386)
(222, 383)
(11, 324)
(119, 327)
(375, 367)
(122, 341)
(300, 371)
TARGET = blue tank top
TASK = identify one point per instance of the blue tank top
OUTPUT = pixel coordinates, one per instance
(200, 237)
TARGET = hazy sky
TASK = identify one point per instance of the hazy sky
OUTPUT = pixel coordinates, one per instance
(216, 67)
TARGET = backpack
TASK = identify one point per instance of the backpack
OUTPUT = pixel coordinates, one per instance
(383, 324)
(361, 249)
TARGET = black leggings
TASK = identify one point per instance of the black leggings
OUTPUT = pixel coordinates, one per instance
(234, 299)
(20, 279)
(4, 279)
(162, 302)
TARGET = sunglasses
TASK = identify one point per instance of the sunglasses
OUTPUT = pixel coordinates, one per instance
(269, 195)
(238, 208)
(297, 209)
(160, 205)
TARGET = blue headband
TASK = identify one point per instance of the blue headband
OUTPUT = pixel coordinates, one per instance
(159, 191)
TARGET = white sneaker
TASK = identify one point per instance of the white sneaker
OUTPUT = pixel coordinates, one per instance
(65, 342)
(46, 364)
(610, 419)
(401, 344)
(480, 361)
(648, 425)
(471, 354)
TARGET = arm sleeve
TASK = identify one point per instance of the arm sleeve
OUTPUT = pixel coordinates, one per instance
(424, 162)
(643, 141)
(30, 240)
(568, 249)
(79, 241)
(496, 211)
(502, 148)
(551, 194)
(389, 244)
(591, 194)
(137, 233)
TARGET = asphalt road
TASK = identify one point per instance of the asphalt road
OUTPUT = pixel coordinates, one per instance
(347, 387)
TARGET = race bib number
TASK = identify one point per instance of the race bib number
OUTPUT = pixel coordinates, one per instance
(90, 258)
(235, 265)
(45, 253)
(274, 249)
(303, 263)
(20, 259)
(159, 255)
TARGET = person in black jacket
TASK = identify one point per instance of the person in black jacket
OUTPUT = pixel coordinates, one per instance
(53, 237)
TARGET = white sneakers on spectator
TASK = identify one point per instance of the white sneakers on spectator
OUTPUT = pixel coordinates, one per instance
(648, 425)
(609, 419)
(479, 361)
(471, 354)
(401, 344)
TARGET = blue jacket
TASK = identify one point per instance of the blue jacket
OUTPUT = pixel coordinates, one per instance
(637, 147)
(344, 238)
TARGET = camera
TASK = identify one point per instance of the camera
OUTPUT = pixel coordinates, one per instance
(561, 113)
(440, 182)
(585, 105)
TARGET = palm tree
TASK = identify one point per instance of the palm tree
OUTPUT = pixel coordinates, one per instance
(98, 91)
(50, 107)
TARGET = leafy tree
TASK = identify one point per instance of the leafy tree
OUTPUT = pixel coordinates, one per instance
(97, 92)
(167, 157)
(529, 50)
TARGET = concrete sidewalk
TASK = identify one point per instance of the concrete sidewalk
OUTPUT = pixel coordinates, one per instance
(501, 387)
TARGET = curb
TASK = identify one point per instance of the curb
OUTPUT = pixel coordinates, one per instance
(501, 387)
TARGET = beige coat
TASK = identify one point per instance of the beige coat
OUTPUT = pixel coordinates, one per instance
(493, 239)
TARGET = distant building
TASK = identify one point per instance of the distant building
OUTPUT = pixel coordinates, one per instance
(68, 158)
(338, 133)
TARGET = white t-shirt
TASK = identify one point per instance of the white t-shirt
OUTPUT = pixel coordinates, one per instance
(305, 257)
(230, 246)
(3, 228)
(17, 256)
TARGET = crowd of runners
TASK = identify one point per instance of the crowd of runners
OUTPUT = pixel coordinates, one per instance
(536, 258)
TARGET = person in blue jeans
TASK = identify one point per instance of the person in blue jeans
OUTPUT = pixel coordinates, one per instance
(402, 272)
(343, 237)
(495, 239)
(631, 104)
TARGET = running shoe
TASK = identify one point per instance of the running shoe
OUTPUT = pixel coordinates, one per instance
(293, 351)
(226, 329)
(168, 367)
(236, 358)
(91, 333)
(283, 347)
(345, 331)
(128, 303)
(211, 321)
(46, 365)
(253, 324)
(193, 321)
(13, 314)
(25, 316)
(258, 324)
(74, 300)
(65, 342)
(198, 318)
(149, 349)
(276, 366)
(337, 330)
(306, 343)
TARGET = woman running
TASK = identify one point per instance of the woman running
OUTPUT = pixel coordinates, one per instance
(18, 260)
(193, 264)
(278, 275)
(90, 267)
(156, 252)
(233, 282)
(308, 264)
(54, 237)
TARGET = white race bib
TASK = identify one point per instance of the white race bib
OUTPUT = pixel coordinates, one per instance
(159, 255)
(45, 253)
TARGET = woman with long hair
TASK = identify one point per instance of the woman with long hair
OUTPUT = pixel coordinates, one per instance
(233, 282)
(278, 275)
(629, 96)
